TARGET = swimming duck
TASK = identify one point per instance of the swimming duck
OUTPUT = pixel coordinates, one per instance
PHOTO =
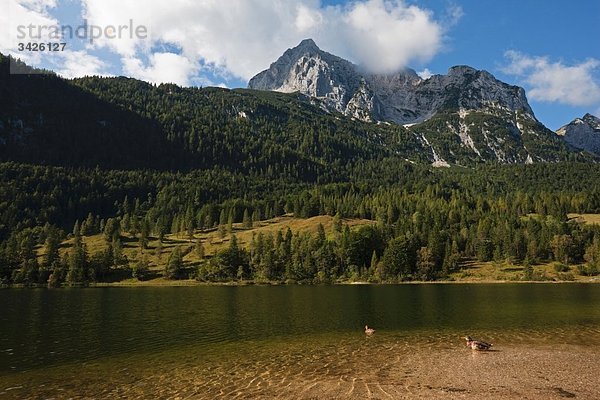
(477, 344)
(369, 331)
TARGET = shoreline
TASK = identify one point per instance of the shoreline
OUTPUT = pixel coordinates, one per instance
(352, 369)
(195, 283)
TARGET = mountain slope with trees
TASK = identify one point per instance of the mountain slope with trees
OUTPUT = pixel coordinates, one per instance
(136, 164)
(128, 124)
(124, 123)
(465, 116)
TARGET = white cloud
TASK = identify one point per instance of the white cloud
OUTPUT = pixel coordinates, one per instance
(30, 21)
(548, 81)
(307, 19)
(164, 67)
(119, 13)
(242, 37)
(454, 14)
(38, 5)
(387, 35)
(15, 20)
(239, 38)
(74, 64)
(425, 74)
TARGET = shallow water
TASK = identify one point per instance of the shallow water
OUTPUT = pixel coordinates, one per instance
(296, 341)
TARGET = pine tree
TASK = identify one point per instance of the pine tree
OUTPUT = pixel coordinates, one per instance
(399, 258)
(230, 221)
(234, 249)
(158, 250)
(76, 229)
(247, 221)
(101, 262)
(88, 226)
(337, 223)
(321, 236)
(111, 230)
(562, 248)
(190, 225)
(119, 259)
(140, 269)
(77, 263)
(374, 262)
(144, 234)
(54, 280)
(592, 257)
(256, 216)
(222, 217)
(199, 249)
(528, 270)
(425, 264)
(174, 265)
(126, 223)
(27, 247)
(52, 245)
(208, 220)
(451, 258)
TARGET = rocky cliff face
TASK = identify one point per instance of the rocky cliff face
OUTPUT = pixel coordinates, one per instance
(583, 133)
(402, 97)
(316, 73)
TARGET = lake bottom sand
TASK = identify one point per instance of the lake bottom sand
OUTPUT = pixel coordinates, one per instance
(356, 368)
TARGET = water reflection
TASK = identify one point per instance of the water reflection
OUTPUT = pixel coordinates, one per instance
(45, 328)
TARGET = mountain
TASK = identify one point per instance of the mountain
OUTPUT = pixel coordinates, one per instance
(123, 123)
(583, 133)
(402, 97)
(100, 154)
(462, 117)
(311, 71)
(45, 119)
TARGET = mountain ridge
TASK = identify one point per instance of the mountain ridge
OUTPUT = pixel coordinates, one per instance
(129, 124)
(402, 97)
(583, 133)
(465, 114)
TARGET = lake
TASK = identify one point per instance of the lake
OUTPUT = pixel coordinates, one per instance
(300, 341)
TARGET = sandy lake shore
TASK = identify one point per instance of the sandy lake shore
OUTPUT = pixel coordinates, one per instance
(365, 368)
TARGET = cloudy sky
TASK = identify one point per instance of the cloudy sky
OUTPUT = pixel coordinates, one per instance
(549, 47)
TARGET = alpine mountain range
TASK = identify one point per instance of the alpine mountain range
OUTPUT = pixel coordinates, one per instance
(465, 115)
(310, 109)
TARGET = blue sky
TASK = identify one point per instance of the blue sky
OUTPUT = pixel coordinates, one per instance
(552, 48)
(564, 32)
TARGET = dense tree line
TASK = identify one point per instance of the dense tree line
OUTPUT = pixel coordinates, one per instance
(423, 224)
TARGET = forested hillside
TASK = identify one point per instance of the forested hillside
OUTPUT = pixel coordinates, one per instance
(137, 163)
(128, 124)
(436, 218)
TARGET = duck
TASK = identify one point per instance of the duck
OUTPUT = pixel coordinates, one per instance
(477, 344)
(369, 331)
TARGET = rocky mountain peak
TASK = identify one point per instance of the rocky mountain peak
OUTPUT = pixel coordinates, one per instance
(308, 45)
(583, 133)
(461, 70)
(307, 48)
(591, 120)
(401, 97)
(309, 70)
(464, 114)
